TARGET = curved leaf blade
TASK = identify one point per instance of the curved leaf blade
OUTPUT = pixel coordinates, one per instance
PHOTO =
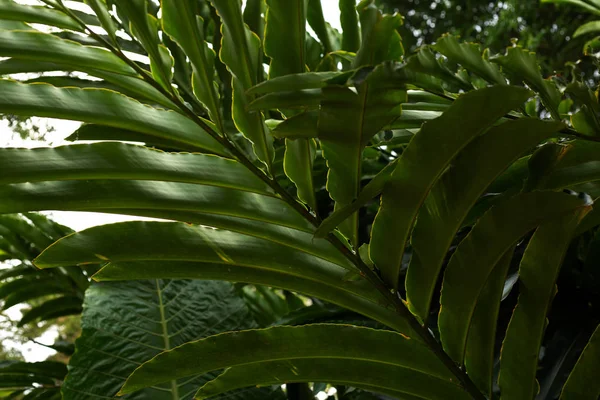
(451, 198)
(475, 257)
(521, 65)
(582, 383)
(414, 176)
(343, 342)
(181, 23)
(326, 285)
(240, 52)
(378, 377)
(102, 107)
(39, 46)
(89, 195)
(11, 10)
(469, 56)
(124, 161)
(537, 278)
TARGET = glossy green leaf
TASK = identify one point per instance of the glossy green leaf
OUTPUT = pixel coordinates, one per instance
(427, 71)
(101, 10)
(254, 12)
(469, 56)
(414, 175)
(589, 27)
(369, 192)
(480, 353)
(538, 272)
(350, 28)
(124, 161)
(347, 122)
(95, 132)
(127, 323)
(145, 27)
(586, 5)
(373, 376)
(307, 80)
(298, 166)
(38, 46)
(582, 383)
(380, 39)
(102, 107)
(296, 99)
(240, 52)
(128, 85)
(294, 238)
(330, 286)
(474, 259)
(12, 10)
(202, 247)
(522, 66)
(87, 195)
(285, 35)
(254, 347)
(317, 22)
(180, 22)
(451, 198)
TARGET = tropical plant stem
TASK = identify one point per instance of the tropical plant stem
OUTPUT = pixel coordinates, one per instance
(364, 270)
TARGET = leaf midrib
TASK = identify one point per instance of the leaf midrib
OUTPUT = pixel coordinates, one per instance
(165, 335)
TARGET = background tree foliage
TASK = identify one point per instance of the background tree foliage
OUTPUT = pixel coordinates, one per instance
(394, 219)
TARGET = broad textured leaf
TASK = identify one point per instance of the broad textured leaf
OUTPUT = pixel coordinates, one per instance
(456, 192)
(522, 66)
(582, 383)
(11, 10)
(469, 56)
(102, 107)
(474, 259)
(124, 161)
(342, 343)
(537, 279)
(350, 28)
(180, 22)
(240, 52)
(414, 176)
(347, 121)
(127, 323)
(38, 46)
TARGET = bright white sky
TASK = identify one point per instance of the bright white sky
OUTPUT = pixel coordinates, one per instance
(82, 220)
